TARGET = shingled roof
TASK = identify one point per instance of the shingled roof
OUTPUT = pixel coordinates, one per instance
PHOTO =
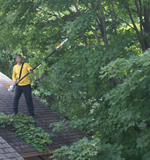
(44, 116)
(7, 152)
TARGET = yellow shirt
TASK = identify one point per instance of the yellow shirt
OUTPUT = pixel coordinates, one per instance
(25, 70)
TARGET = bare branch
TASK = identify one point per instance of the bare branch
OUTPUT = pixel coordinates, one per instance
(103, 22)
(75, 3)
(135, 27)
(96, 37)
(125, 22)
(71, 12)
(139, 14)
(59, 15)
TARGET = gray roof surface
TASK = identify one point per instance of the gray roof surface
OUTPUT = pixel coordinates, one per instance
(7, 152)
(44, 115)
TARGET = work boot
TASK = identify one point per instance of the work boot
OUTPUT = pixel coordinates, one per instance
(31, 115)
(13, 113)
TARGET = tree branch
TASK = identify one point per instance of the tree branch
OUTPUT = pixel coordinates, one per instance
(75, 3)
(103, 22)
(139, 14)
(128, 9)
(136, 128)
(71, 12)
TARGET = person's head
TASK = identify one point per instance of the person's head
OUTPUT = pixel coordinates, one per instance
(19, 58)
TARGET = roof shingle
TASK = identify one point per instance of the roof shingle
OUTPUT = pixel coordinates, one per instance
(7, 152)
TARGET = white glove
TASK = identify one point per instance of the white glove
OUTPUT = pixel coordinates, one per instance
(14, 84)
(31, 71)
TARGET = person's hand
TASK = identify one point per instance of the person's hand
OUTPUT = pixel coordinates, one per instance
(31, 71)
(14, 84)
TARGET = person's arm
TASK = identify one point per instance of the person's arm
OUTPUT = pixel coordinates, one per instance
(30, 68)
(14, 75)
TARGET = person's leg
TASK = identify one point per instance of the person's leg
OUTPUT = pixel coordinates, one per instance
(28, 97)
(18, 93)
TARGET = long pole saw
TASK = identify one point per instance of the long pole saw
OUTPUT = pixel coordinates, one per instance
(12, 87)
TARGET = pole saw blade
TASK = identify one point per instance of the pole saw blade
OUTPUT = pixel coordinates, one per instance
(61, 44)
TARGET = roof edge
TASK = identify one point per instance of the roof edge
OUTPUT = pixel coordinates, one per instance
(33, 154)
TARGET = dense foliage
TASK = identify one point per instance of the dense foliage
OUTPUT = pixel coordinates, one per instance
(99, 80)
(24, 127)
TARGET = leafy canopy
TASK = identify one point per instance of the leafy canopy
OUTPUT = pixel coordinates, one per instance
(99, 80)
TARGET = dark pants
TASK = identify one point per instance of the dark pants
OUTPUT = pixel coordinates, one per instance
(26, 90)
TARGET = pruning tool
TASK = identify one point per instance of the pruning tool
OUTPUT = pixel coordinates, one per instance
(12, 87)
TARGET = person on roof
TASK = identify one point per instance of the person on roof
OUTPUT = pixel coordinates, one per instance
(24, 86)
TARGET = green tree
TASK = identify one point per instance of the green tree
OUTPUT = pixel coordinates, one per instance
(99, 80)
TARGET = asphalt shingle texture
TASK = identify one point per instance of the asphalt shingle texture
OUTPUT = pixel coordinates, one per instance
(44, 116)
(7, 152)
